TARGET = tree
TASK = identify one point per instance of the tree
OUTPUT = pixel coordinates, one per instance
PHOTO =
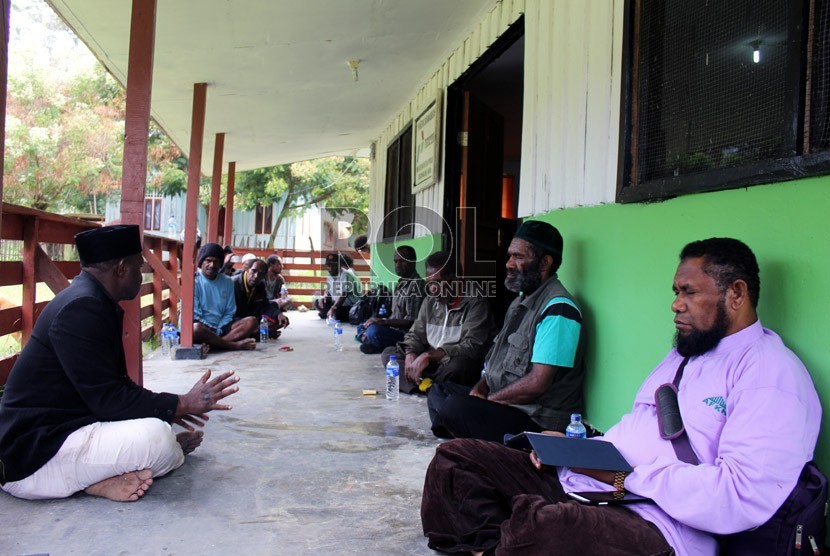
(339, 183)
(64, 141)
(166, 165)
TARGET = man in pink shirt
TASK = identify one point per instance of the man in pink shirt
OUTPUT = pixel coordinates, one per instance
(752, 417)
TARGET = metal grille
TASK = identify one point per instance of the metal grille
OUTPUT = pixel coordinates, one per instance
(820, 77)
(702, 101)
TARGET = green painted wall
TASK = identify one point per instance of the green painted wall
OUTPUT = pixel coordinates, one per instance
(620, 260)
(382, 254)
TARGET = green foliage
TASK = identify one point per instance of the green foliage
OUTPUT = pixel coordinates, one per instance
(340, 183)
(64, 141)
(167, 166)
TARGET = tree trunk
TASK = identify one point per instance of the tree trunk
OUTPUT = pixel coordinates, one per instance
(280, 217)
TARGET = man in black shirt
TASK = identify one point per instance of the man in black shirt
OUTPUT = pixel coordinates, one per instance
(71, 419)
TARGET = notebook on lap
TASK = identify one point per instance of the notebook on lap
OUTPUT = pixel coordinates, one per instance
(577, 452)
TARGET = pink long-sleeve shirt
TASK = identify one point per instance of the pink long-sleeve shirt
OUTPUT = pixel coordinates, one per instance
(752, 415)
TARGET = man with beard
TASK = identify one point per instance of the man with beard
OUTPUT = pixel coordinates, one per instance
(214, 306)
(534, 371)
(70, 418)
(252, 299)
(751, 416)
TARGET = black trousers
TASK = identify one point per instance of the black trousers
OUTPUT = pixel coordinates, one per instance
(459, 370)
(342, 312)
(483, 496)
(457, 414)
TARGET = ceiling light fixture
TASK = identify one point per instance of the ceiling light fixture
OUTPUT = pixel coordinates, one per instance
(756, 51)
(353, 63)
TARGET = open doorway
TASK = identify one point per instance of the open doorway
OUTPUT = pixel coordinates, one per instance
(483, 161)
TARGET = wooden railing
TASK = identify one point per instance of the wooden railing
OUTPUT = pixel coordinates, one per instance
(45, 253)
(38, 247)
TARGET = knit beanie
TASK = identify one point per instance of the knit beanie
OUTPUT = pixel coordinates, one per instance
(211, 250)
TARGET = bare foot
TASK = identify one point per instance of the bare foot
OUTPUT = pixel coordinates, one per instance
(189, 441)
(128, 487)
(246, 344)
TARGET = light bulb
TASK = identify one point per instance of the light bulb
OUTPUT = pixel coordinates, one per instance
(756, 54)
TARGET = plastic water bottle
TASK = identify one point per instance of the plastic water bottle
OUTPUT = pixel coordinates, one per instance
(338, 336)
(382, 312)
(174, 336)
(393, 378)
(330, 321)
(576, 429)
(283, 292)
(263, 330)
(165, 339)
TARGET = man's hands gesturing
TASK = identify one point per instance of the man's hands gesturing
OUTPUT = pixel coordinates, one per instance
(203, 397)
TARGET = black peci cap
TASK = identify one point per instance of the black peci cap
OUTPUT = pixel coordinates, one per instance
(108, 243)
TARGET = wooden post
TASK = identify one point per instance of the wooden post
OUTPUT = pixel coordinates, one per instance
(194, 162)
(5, 5)
(29, 255)
(158, 288)
(228, 236)
(173, 258)
(134, 172)
(215, 189)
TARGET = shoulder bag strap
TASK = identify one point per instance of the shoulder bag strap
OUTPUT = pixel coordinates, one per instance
(681, 444)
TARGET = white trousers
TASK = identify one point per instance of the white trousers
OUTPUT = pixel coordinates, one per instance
(100, 451)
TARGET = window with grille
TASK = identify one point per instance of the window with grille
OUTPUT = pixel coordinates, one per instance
(152, 213)
(718, 95)
(397, 216)
(262, 220)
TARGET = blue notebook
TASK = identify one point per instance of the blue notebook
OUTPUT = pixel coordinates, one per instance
(577, 452)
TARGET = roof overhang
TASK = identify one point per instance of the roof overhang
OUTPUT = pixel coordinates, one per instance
(279, 85)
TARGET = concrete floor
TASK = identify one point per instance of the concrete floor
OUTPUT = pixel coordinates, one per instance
(302, 464)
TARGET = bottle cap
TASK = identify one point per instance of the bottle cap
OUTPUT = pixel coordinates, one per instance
(393, 357)
(576, 417)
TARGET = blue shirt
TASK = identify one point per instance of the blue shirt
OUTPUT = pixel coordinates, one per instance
(213, 300)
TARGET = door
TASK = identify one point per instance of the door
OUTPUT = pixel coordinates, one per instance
(479, 206)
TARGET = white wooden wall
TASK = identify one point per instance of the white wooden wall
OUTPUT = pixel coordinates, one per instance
(481, 36)
(570, 130)
(570, 127)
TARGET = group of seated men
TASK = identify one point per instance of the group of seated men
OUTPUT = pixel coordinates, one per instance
(481, 382)
(343, 288)
(751, 416)
(227, 309)
(749, 407)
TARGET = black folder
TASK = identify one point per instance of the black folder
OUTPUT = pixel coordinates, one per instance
(577, 452)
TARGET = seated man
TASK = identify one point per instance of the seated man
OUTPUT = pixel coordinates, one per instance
(70, 418)
(275, 282)
(343, 288)
(361, 245)
(751, 415)
(214, 306)
(251, 299)
(534, 371)
(227, 265)
(378, 333)
(451, 334)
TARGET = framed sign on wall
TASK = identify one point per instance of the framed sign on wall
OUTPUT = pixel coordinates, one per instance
(426, 146)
